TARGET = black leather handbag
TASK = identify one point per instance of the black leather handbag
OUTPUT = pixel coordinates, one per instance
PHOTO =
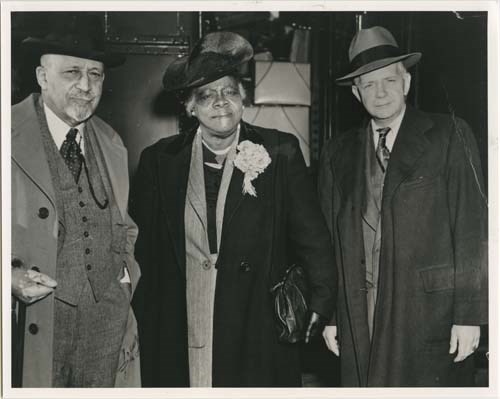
(290, 297)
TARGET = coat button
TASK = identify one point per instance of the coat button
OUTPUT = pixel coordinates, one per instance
(205, 264)
(87, 250)
(82, 204)
(80, 189)
(36, 269)
(33, 328)
(43, 213)
(89, 267)
(245, 266)
(85, 233)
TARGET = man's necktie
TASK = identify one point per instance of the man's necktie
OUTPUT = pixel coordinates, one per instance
(72, 153)
(382, 151)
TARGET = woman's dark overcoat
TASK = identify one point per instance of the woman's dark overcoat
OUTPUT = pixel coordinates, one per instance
(257, 233)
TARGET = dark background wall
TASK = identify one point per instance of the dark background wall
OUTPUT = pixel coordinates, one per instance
(451, 77)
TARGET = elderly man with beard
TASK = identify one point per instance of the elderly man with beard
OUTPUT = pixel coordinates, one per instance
(73, 270)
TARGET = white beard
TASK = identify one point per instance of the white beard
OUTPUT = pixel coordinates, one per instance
(81, 113)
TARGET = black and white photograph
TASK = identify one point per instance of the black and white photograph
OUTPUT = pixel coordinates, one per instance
(278, 198)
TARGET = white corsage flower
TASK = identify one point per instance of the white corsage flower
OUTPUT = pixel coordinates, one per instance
(252, 159)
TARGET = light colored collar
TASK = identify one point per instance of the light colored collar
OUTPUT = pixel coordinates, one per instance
(59, 129)
(391, 136)
(222, 152)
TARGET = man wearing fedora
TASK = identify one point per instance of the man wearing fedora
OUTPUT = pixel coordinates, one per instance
(73, 270)
(404, 200)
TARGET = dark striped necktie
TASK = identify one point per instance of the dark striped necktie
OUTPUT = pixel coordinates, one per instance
(383, 153)
(72, 153)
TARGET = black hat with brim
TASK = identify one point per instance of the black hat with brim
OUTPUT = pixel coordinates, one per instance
(216, 55)
(38, 47)
(77, 36)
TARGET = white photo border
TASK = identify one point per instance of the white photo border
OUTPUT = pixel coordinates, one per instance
(492, 7)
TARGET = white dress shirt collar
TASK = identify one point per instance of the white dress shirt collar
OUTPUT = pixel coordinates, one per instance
(391, 136)
(59, 129)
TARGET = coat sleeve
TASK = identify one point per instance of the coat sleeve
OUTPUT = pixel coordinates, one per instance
(142, 209)
(468, 214)
(325, 193)
(325, 187)
(132, 265)
(308, 233)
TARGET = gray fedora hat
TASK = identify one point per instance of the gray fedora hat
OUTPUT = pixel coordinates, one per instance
(217, 54)
(372, 49)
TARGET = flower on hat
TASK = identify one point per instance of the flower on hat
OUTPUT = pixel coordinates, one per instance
(252, 159)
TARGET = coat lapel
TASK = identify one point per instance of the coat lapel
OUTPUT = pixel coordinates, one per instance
(26, 144)
(173, 172)
(115, 159)
(409, 146)
(349, 166)
(370, 200)
(227, 175)
(235, 194)
(196, 181)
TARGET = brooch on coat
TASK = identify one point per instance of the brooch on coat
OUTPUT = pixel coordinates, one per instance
(252, 159)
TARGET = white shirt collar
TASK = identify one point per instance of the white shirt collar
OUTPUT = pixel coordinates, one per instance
(391, 136)
(224, 151)
(59, 129)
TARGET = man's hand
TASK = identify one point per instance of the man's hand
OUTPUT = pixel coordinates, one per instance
(466, 338)
(30, 286)
(330, 336)
(316, 323)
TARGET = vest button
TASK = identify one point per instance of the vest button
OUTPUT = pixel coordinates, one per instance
(205, 264)
(43, 213)
(86, 233)
(80, 189)
(33, 328)
(82, 204)
(89, 267)
(84, 219)
(245, 266)
(87, 250)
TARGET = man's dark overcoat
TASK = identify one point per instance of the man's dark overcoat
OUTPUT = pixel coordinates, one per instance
(257, 232)
(433, 251)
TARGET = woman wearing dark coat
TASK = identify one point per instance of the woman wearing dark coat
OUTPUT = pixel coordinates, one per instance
(219, 211)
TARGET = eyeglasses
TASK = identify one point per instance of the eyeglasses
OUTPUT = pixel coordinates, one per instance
(208, 96)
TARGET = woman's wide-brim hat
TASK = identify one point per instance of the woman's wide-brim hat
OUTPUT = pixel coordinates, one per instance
(216, 55)
(79, 35)
(372, 49)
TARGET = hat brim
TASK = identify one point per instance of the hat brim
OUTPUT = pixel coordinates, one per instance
(408, 61)
(177, 68)
(38, 47)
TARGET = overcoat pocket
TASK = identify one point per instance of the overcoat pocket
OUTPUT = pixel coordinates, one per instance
(438, 278)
